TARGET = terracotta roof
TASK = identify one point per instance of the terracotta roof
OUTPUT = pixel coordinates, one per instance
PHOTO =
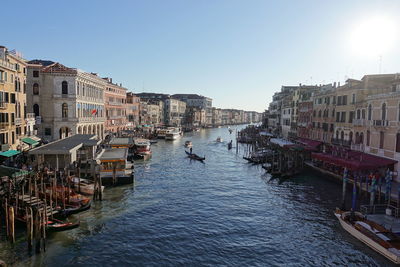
(58, 68)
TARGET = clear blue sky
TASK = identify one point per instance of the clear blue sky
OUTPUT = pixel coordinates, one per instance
(236, 52)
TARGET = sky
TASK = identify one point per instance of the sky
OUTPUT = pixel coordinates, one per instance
(236, 52)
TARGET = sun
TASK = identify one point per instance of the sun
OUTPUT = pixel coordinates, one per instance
(373, 36)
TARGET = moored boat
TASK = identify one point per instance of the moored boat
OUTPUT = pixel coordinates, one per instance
(370, 233)
(142, 149)
(84, 186)
(219, 139)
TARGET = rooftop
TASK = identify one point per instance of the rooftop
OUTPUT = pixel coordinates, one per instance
(121, 141)
(67, 145)
(113, 154)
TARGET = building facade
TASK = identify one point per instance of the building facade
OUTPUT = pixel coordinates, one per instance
(132, 110)
(174, 112)
(65, 100)
(115, 106)
(13, 106)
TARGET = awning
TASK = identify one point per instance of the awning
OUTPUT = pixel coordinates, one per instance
(30, 141)
(9, 153)
(309, 144)
(354, 160)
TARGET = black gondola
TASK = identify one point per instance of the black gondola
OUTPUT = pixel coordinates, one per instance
(194, 156)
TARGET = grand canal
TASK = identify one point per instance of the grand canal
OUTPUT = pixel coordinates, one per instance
(222, 212)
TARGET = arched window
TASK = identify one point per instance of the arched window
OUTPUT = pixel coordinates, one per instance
(342, 135)
(369, 112)
(361, 138)
(358, 114)
(351, 137)
(35, 89)
(363, 114)
(64, 88)
(319, 113)
(368, 137)
(36, 110)
(384, 111)
(65, 110)
(357, 141)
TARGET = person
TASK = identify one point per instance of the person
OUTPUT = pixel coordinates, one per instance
(191, 149)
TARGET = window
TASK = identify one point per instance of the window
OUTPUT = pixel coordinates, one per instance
(358, 114)
(319, 113)
(398, 142)
(333, 113)
(6, 98)
(351, 116)
(35, 89)
(47, 131)
(363, 114)
(353, 98)
(35, 73)
(65, 110)
(381, 139)
(369, 112)
(36, 110)
(344, 100)
(12, 98)
(343, 117)
(64, 88)
(384, 111)
(368, 137)
(342, 135)
(337, 116)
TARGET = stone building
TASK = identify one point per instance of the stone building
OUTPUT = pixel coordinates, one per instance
(65, 100)
(13, 104)
(115, 106)
(132, 110)
(286, 115)
(174, 112)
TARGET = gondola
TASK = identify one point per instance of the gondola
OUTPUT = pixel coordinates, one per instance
(58, 226)
(194, 156)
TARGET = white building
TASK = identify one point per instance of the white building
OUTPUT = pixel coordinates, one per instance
(174, 112)
(65, 101)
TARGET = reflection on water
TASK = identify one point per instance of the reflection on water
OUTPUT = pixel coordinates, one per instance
(222, 212)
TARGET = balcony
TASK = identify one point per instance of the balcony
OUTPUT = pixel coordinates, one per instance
(3, 105)
(30, 116)
(340, 142)
(3, 125)
(381, 123)
(18, 121)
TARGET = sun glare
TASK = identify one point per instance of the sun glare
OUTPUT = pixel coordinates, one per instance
(373, 36)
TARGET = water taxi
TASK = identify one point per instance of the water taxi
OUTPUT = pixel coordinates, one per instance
(173, 135)
(372, 234)
(142, 149)
(115, 169)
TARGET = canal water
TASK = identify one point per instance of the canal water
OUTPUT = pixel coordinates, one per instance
(221, 212)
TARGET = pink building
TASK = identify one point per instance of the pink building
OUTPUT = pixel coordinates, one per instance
(132, 109)
(115, 105)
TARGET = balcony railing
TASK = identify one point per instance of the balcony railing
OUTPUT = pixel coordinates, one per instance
(381, 123)
(3, 105)
(359, 122)
(4, 125)
(30, 116)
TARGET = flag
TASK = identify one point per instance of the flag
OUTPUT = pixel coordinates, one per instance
(94, 112)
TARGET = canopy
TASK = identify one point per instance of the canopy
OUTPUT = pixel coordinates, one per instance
(355, 161)
(30, 141)
(309, 144)
(9, 153)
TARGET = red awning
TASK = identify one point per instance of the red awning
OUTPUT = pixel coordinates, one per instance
(355, 160)
(309, 144)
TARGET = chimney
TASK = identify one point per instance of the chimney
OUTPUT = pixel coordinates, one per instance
(334, 85)
(338, 84)
(3, 51)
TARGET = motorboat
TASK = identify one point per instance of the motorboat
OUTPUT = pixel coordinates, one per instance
(370, 233)
(84, 186)
(142, 149)
(219, 139)
(173, 135)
